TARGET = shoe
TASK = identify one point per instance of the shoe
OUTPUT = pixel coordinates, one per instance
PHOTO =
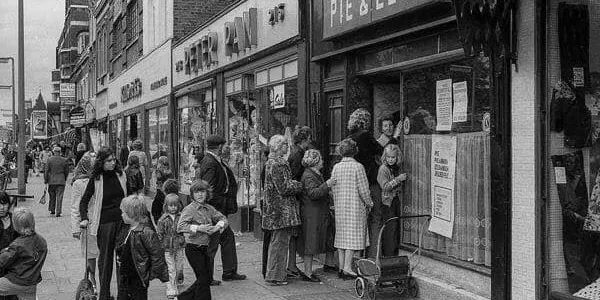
(57, 215)
(233, 276)
(348, 276)
(311, 278)
(293, 274)
(51, 213)
(276, 282)
(215, 282)
(340, 274)
(329, 269)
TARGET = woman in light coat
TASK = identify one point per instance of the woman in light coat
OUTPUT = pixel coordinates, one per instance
(81, 177)
(352, 203)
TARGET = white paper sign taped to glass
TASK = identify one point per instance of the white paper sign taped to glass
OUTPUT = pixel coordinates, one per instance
(443, 106)
(443, 172)
(461, 101)
(39, 124)
(277, 96)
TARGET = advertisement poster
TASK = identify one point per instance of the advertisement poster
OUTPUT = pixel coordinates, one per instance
(443, 106)
(461, 101)
(39, 124)
(443, 171)
(67, 94)
(277, 96)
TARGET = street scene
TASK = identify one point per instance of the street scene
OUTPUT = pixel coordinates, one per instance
(287, 149)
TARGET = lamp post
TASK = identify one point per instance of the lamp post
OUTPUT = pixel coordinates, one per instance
(5, 60)
(21, 139)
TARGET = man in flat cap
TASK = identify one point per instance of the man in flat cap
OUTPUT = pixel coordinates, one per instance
(55, 176)
(213, 170)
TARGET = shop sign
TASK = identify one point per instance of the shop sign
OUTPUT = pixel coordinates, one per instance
(443, 173)
(77, 116)
(277, 96)
(341, 16)
(159, 83)
(64, 114)
(112, 105)
(67, 93)
(39, 124)
(277, 14)
(131, 90)
(239, 34)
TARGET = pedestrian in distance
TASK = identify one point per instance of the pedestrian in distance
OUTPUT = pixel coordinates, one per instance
(55, 177)
(161, 174)
(173, 242)
(135, 179)
(219, 176)
(81, 150)
(138, 150)
(101, 201)
(199, 220)
(140, 255)
(81, 178)
(352, 203)
(22, 261)
(281, 211)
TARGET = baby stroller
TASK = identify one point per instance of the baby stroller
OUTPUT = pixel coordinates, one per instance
(387, 272)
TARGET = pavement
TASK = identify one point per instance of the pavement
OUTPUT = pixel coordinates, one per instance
(64, 266)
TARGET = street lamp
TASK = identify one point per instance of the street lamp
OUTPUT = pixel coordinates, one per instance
(5, 60)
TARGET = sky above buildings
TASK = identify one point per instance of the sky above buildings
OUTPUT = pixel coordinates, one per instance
(43, 24)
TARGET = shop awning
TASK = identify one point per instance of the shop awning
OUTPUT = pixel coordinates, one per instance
(204, 84)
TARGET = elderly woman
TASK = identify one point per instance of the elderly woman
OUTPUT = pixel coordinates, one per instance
(352, 202)
(281, 211)
(316, 220)
(369, 153)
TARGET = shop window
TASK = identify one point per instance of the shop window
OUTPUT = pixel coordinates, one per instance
(262, 78)
(573, 150)
(290, 69)
(418, 96)
(275, 73)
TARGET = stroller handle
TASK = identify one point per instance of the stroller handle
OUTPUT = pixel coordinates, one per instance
(380, 236)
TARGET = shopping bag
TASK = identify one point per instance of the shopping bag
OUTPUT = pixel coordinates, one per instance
(43, 197)
(85, 289)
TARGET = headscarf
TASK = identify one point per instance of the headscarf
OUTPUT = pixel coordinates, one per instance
(311, 158)
(360, 119)
(84, 167)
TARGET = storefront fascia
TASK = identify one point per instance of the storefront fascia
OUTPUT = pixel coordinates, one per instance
(139, 105)
(399, 73)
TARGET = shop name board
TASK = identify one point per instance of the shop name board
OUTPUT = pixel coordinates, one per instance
(341, 16)
(131, 90)
(239, 34)
(77, 117)
(159, 83)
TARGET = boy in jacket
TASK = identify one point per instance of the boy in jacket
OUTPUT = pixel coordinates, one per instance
(140, 255)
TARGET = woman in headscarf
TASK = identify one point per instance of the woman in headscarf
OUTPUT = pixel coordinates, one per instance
(81, 177)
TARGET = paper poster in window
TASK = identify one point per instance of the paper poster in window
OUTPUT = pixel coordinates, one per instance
(443, 172)
(39, 124)
(443, 106)
(461, 101)
(277, 96)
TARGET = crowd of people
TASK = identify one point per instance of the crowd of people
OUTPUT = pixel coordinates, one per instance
(114, 212)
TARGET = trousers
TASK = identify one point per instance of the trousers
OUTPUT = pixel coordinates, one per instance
(175, 260)
(199, 260)
(228, 251)
(55, 192)
(277, 260)
(106, 237)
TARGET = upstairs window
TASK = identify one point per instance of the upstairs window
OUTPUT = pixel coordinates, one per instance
(83, 39)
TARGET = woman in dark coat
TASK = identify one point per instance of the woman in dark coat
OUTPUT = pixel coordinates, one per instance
(369, 154)
(316, 219)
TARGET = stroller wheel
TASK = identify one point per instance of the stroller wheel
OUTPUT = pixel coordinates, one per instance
(360, 287)
(370, 291)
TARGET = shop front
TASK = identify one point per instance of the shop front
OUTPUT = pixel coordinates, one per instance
(139, 107)
(449, 109)
(246, 89)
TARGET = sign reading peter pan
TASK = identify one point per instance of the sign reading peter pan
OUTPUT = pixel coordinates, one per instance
(341, 16)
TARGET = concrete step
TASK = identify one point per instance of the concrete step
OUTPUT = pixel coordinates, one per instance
(434, 289)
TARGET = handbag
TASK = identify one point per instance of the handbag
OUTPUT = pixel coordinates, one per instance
(43, 197)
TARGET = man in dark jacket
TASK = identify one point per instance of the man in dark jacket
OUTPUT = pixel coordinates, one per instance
(125, 154)
(212, 169)
(55, 176)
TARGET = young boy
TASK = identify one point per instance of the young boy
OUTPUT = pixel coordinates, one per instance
(198, 221)
(140, 255)
(23, 259)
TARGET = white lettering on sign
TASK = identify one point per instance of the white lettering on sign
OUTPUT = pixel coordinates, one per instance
(241, 33)
(378, 4)
(348, 14)
(333, 10)
(131, 90)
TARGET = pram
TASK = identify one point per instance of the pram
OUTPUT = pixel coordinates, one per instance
(386, 272)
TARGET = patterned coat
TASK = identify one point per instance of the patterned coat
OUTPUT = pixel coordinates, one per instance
(281, 208)
(351, 199)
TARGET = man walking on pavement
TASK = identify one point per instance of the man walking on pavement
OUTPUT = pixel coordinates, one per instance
(212, 169)
(55, 176)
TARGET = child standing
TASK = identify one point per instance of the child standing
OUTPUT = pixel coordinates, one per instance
(23, 259)
(161, 174)
(173, 243)
(135, 180)
(198, 222)
(140, 255)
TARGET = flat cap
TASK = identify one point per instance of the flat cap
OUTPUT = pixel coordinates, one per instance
(214, 140)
